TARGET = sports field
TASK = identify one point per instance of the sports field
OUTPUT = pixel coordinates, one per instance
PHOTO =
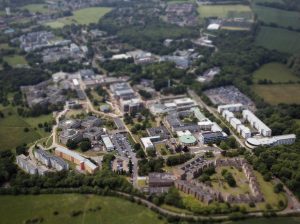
(82, 16)
(279, 93)
(275, 72)
(34, 8)
(12, 127)
(87, 209)
(280, 17)
(15, 60)
(279, 39)
(224, 11)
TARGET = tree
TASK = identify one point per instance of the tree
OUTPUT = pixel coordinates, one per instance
(173, 198)
(85, 145)
(130, 166)
(278, 188)
(22, 149)
(71, 144)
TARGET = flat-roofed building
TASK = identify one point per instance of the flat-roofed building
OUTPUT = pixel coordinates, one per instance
(230, 107)
(212, 137)
(131, 106)
(271, 141)
(161, 179)
(244, 131)
(91, 121)
(148, 142)
(256, 123)
(107, 143)
(74, 157)
(122, 90)
(227, 115)
(50, 160)
(234, 122)
(70, 135)
(69, 124)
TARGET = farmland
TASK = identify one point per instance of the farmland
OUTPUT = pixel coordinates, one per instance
(275, 72)
(59, 209)
(36, 8)
(82, 16)
(279, 93)
(12, 127)
(279, 39)
(224, 11)
(280, 17)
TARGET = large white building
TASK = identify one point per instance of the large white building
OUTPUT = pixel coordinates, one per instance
(26, 164)
(244, 131)
(227, 115)
(234, 122)
(256, 123)
(271, 141)
(50, 160)
(231, 107)
(147, 142)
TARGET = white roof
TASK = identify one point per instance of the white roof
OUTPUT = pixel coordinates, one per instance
(75, 82)
(284, 137)
(235, 121)
(147, 141)
(120, 56)
(183, 133)
(213, 26)
(107, 141)
(252, 117)
(215, 127)
(230, 106)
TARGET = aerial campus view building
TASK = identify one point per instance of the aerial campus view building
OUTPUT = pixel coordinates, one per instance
(194, 114)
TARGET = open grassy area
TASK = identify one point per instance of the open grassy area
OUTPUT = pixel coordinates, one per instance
(221, 185)
(18, 209)
(15, 60)
(82, 16)
(276, 93)
(34, 8)
(12, 127)
(279, 39)
(280, 17)
(224, 11)
(275, 72)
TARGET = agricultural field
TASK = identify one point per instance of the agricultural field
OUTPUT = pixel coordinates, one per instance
(224, 11)
(87, 209)
(34, 8)
(15, 60)
(275, 72)
(82, 16)
(278, 93)
(280, 17)
(12, 127)
(279, 39)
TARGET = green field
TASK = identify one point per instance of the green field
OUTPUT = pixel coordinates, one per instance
(278, 93)
(224, 11)
(275, 72)
(12, 129)
(279, 39)
(280, 17)
(18, 209)
(34, 8)
(15, 60)
(82, 16)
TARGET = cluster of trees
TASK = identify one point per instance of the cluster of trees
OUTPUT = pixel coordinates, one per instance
(84, 145)
(281, 162)
(147, 166)
(7, 167)
(290, 5)
(229, 178)
(178, 159)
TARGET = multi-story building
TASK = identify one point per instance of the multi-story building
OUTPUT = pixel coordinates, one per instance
(256, 123)
(72, 156)
(70, 135)
(28, 166)
(50, 161)
(131, 106)
(212, 137)
(230, 107)
(91, 121)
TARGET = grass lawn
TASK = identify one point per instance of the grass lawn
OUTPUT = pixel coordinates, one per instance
(279, 39)
(34, 8)
(12, 129)
(267, 189)
(276, 93)
(221, 185)
(82, 16)
(4, 47)
(15, 60)
(280, 17)
(275, 72)
(224, 11)
(18, 209)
